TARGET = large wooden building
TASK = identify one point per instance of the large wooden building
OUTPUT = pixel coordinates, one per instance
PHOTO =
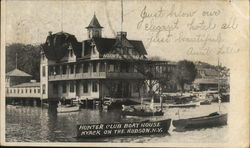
(96, 67)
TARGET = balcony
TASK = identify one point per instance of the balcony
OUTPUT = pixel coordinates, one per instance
(96, 75)
(119, 75)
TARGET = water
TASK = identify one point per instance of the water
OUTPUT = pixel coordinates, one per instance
(36, 124)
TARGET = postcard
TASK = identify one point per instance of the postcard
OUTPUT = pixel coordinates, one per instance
(135, 73)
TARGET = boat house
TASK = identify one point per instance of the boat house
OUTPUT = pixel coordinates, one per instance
(20, 89)
(97, 67)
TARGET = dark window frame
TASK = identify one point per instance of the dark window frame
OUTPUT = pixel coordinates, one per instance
(85, 87)
(94, 87)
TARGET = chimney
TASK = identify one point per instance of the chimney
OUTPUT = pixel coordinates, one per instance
(50, 33)
(121, 35)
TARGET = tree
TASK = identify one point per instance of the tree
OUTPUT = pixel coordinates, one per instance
(184, 73)
(28, 58)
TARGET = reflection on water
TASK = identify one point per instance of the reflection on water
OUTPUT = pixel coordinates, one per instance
(35, 124)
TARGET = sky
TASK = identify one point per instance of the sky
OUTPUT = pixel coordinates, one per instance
(30, 21)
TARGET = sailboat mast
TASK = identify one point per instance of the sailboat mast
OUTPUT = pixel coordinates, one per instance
(218, 83)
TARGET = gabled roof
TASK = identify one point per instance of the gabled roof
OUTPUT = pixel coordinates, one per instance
(105, 45)
(94, 23)
(18, 73)
(56, 45)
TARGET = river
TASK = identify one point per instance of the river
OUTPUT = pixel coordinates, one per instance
(36, 124)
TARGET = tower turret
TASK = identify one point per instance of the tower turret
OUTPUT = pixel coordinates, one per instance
(94, 28)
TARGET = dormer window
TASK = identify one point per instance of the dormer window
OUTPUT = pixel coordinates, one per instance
(43, 57)
(96, 33)
(71, 53)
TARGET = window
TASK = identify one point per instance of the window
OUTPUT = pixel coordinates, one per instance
(44, 87)
(18, 91)
(55, 88)
(34, 90)
(56, 70)
(64, 87)
(102, 67)
(135, 68)
(136, 88)
(111, 68)
(85, 87)
(43, 69)
(22, 91)
(30, 90)
(64, 69)
(94, 67)
(96, 33)
(7, 90)
(10, 90)
(50, 70)
(71, 69)
(71, 87)
(71, 53)
(38, 90)
(43, 57)
(77, 88)
(94, 87)
(85, 67)
(26, 90)
(14, 90)
(117, 68)
(78, 67)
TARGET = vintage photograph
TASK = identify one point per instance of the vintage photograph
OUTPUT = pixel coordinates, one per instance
(88, 71)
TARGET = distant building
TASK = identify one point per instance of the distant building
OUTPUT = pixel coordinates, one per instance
(24, 90)
(210, 77)
(97, 67)
(16, 76)
(20, 85)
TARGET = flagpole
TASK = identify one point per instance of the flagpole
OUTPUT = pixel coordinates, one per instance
(121, 13)
(16, 60)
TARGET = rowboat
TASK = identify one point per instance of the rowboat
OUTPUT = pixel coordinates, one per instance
(142, 113)
(67, 109)
(123, 129)
(211, 120)
(206, 102)
(182, 105)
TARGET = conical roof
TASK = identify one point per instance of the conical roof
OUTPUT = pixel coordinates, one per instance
(94, 23)
(18, 73)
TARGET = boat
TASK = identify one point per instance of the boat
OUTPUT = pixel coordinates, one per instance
(182, 105)
(125, 129)
(143, 111)
(67, 108)
(211, 120)
(205, 102)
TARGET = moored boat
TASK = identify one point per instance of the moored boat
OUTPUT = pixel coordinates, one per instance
(182, 105)
(211, 120)
(67, 109)
(143, 113)
(206, 102)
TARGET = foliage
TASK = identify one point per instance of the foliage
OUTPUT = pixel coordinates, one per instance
(184, 73)
(28, 58)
